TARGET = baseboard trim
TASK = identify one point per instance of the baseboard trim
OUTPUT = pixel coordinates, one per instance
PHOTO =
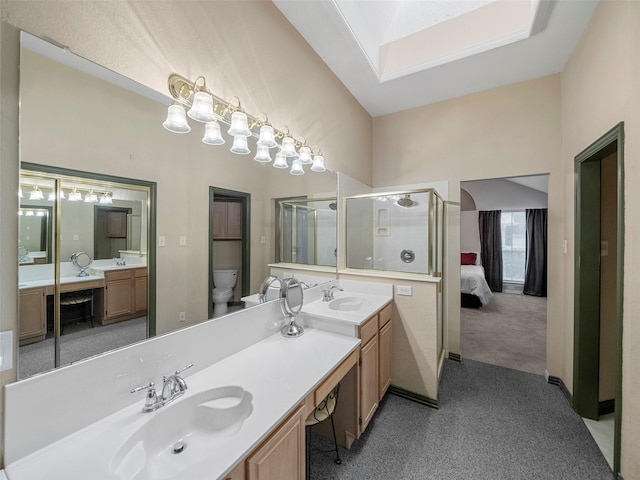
(558, 381)
(456, 357)
(415, 397)
(620, 477)
(606, 407)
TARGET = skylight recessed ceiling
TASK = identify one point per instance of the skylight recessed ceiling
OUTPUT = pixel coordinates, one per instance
(398, 54)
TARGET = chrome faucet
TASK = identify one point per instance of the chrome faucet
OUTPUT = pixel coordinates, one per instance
(120, 261)
(173, 387)
(328, 293)
(305, 285)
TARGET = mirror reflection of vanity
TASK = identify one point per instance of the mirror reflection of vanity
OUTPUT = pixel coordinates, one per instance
(112, 132)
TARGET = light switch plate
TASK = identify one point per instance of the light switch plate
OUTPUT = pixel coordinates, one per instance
(183, 240)
(161, 240)
(404, 290)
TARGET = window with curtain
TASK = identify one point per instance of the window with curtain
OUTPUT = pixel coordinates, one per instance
(514, 246)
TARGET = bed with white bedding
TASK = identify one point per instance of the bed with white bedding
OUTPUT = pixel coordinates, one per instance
(472, 282)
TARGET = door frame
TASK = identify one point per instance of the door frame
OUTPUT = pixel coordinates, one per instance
(586, 328)
(245, 200)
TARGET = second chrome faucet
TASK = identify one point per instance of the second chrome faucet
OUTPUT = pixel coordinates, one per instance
(173, 387)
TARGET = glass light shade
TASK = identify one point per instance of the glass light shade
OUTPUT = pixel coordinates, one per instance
(281, 160)
(36, 194)
(176, 121)
(202, 108)
(20, 213)
(106, 199)
(239, 125)
(240, 145)
(75, 196)
(212, 135)
(20, 192)
(29, 213)
(305, 156)
(289, 147)
(318, 164)
(267, 138)
(262, 155)
(40, 213)
(52, 196)
(90, 197)
(296, 167)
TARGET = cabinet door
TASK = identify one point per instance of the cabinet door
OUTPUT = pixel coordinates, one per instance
(118, 293)
(219, 220)
(282, 456)
(386, 358)
(369, 392)
(33, 314)
(237, 473)
(117, 224)
(140, 292)
(234, 220)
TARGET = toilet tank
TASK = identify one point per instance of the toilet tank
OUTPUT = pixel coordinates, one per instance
(225, 278)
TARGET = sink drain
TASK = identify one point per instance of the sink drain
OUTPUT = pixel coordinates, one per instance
(178, 447)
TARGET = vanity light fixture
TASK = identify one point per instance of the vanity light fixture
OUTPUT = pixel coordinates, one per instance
(91, 197)
(29, 213)
(75, 196)
(36, 194)
(52, 196)
(195, 100)
(40, 213)
(296, 167)
(106, 199)
(20, 192)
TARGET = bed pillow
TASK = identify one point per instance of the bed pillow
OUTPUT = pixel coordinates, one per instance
(467, 258)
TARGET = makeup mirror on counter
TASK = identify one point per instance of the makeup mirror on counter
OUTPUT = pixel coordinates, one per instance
(291, 300)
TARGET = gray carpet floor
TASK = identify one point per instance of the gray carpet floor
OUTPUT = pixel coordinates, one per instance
(511, 331)
(79, 342)
(493, 423)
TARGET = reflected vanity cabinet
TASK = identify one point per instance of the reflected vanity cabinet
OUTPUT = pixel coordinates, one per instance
(375, 363)
(125, 294)
(33, 315)
(116, 224)
(227, 220)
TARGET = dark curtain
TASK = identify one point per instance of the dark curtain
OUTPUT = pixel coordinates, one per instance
(491, 247)
(535, 276)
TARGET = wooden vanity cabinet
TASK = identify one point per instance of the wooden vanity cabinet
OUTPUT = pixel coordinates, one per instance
(125, 294)
(385, 337)
(282, 455)
(33, 315)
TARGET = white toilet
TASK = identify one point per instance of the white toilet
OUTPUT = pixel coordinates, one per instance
(223, 281)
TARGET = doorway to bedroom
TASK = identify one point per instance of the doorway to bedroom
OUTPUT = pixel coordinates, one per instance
(503, 319)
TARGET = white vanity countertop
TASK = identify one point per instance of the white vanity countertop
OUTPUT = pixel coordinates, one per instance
(278, 372)
(369, 304)
(50, 281)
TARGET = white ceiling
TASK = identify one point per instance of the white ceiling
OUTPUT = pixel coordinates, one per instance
(349, 35)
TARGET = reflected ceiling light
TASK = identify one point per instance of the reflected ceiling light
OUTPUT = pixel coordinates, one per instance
(40, 213)
(75, 196)
(106, 199)
(36, 194)
(176, 121)
(281, 160)
(52, 196)
(262, 155)
(212, 134)
(296, 167)
(20, 192)
(195, 100)
(240, 145)
(29, 213)
(20, 213)
(91, 197)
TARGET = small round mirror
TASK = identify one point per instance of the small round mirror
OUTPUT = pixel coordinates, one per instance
(81, 261)
(266, 290)
(291, 299)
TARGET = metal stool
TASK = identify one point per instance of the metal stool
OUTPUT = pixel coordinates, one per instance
(71, 299)
(323, 411)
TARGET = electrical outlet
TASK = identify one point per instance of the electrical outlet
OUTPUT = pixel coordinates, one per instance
(183, 316)
(404, 290)
(76, 237)
(162, 241)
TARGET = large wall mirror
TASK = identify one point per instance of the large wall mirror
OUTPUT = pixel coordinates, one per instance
(79, 117)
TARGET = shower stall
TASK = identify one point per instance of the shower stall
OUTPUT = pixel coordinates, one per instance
(395, 232)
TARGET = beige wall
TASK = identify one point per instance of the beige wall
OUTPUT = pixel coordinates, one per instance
(599, 90)
(509, 131)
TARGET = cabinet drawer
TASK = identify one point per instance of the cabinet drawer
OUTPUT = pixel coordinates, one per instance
(368, 329)
(118, 275)
(334, 378)
(140, 272)
(384, 316)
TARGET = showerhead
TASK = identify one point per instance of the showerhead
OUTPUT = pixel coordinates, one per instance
(406, 201)
(333, 205)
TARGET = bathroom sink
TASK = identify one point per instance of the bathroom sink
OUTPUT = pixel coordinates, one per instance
(348, 304)
(178, 436)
